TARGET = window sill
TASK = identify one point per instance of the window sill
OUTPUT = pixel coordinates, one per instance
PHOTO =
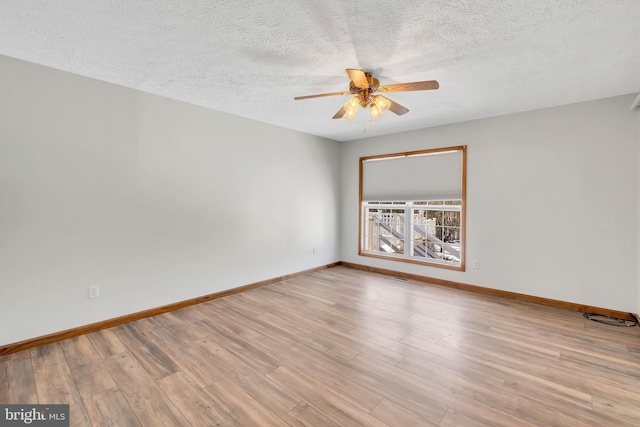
(443, 264)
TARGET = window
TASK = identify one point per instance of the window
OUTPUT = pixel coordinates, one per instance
(432, 230)
(413, 206)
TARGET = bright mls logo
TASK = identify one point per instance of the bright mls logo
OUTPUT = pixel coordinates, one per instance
(34, 415)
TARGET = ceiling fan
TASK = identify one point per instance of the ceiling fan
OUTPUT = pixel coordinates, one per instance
(364, 86)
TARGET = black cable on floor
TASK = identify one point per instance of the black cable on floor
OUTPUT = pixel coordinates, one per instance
(608, 320)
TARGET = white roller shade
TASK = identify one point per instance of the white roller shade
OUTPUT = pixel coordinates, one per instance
(436, 176)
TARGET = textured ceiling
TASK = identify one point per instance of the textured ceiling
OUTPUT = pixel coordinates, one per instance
(251, 58)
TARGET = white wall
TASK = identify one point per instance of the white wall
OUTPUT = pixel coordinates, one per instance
(552, 201)
(159, 201)
(154, 200)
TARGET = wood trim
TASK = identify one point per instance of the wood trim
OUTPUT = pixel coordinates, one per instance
(360, 210)
(86, 329)
(463, 211)
(496, 292)
(415, 152)
(414, 261)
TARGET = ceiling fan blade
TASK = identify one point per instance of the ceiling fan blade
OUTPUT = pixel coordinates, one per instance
(397, 108)
(340, 114)
(405, 87)
(321, 95)
(358, 77)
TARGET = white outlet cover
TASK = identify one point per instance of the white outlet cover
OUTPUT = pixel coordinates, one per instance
(94, 291)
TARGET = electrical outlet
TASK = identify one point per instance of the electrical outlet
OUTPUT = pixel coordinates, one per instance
(94, 291)
(476, 264)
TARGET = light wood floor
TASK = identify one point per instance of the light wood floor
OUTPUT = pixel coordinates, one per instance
(341, 347)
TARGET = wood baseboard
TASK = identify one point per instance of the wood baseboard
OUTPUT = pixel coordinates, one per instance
(497, 292)
(86, 329)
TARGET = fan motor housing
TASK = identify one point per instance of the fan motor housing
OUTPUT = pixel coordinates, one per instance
(373, 85)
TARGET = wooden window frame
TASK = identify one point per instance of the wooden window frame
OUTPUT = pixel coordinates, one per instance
(463, 214)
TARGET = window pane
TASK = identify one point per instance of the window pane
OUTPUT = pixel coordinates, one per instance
(435, 234)
(434, 250)
(434, 218)
(384, 230)
(451, 219)
(451, 235)
(420, 248)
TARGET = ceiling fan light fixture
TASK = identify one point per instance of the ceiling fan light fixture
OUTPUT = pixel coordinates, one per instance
(351, 108)
(363, 85)
(351, 115)
(375, 112)
(352, 104)
(381, 103)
